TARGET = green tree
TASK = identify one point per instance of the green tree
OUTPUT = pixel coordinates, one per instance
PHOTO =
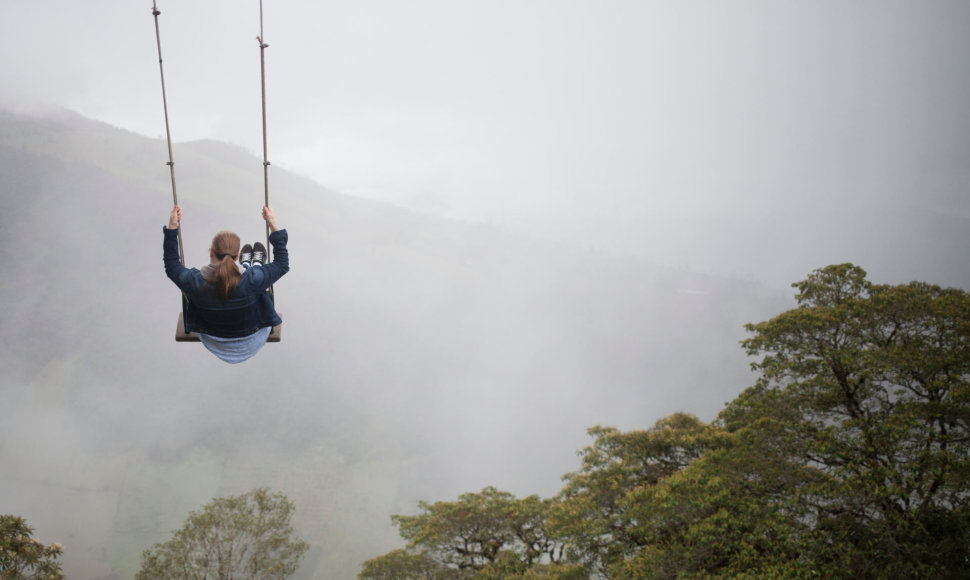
(848, 458)
(729, 514)
(869, 385)
(404, 565)
(240, 537)
(483, 535)
(593, 517)
(22, 557)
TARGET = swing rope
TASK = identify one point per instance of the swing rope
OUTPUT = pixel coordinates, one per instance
(168, 133)
(262, 76)
(171, 160)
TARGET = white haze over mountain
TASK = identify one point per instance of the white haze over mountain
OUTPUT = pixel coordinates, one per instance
(736, 145)
(753, 138)
(421, 357)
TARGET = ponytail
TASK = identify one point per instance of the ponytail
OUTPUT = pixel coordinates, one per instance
(225, 245)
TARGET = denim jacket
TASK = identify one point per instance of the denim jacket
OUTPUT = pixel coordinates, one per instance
(248, 309)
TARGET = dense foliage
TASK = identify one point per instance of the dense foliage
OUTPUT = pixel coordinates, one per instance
(23, 557)
(245, 537)
(849, 458)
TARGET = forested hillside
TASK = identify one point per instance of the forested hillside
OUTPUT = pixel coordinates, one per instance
(849, 459)
(420, 357)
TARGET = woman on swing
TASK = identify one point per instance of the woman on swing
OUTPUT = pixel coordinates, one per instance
(228, 305)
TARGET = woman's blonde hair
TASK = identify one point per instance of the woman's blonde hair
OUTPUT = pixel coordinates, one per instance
(225, 245)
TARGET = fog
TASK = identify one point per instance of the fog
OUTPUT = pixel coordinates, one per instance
(509, 222)
(682, 132)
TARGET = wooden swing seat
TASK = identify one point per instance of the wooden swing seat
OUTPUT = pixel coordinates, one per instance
(181, 336)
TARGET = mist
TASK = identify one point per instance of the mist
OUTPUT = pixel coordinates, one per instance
(682, 133)
(509, 222)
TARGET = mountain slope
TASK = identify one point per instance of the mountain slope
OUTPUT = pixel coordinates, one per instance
(421, 358)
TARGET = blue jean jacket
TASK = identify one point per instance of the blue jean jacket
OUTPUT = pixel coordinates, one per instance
(250, 306)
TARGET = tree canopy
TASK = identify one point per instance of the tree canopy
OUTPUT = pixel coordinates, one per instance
(486, 535)
(848, 458)
(869, 386)
(245, 537)
(23, 557)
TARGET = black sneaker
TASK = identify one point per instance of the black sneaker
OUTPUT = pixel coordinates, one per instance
(259, 253)
(246, 256)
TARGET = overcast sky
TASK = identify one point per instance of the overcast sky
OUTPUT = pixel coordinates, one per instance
(609, 121)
